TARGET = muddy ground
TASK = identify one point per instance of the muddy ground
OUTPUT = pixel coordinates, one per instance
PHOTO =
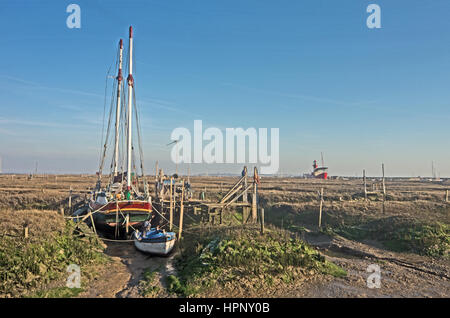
(121, 278)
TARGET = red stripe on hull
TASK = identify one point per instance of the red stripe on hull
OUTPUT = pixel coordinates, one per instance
(123, 205)
(121, 224)
(322, 176)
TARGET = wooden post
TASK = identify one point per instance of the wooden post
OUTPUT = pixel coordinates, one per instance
(254, 199)
(116, 230)
(365, 184)
(171, 205)
(25, 231)
(384, 189)
(70, 200)
(320, 208)
(209, 214)
(245, 197)
(446, 195)
(61, 211)
(189, 174)
(92, 221)
(181, 212)
(262, 221)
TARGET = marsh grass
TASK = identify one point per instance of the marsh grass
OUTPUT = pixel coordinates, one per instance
(148, 286)
(420, 227)
(400, 235)
(239, 255)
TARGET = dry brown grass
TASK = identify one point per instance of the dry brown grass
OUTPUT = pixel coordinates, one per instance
(42, 224)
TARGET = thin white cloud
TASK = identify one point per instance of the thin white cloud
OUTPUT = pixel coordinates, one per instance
(58, 89)
(10, 121)
(299, 96)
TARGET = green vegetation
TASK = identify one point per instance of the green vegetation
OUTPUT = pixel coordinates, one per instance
(397, 233)
(241, 256)
(403, 235)
(57, 292)
(148, 286)
(432, 240)
(174, 286)
(30, 264)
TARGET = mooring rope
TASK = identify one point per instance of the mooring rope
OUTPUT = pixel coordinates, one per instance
(82, 216)
(103, 238)
(164, 217)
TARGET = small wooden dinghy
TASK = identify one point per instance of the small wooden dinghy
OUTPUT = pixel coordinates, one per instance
(154, 241)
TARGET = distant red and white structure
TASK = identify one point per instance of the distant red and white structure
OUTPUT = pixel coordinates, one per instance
(319, 172)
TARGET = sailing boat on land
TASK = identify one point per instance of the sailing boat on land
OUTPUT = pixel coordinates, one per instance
(125, 200)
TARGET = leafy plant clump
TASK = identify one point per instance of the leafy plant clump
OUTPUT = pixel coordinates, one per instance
(431, 240)
(148, 285)
(403, 235)
(26, 264)
(232, 258)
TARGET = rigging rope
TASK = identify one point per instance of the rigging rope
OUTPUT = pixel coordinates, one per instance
(141, 153)
(103, 153)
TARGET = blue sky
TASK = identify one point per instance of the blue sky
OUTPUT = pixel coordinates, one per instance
(311, 68)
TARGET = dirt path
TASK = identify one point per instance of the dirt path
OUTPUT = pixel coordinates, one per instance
(121, 277)
(402, 274)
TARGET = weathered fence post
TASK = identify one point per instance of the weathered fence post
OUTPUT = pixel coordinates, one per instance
(446, 195)
(70, 200)
(245, 196)
(171, 204)
(93, 224)
(25, 231)
(181, 211)
(320, 208)
(61, 211)
(255, 193)
(116, 230)
(365, 184)
(262, 221)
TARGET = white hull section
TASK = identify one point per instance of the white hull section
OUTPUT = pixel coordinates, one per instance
(160, 248)
(319, 171)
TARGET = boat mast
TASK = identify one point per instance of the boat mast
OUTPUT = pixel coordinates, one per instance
(129, 113)
(119, 87)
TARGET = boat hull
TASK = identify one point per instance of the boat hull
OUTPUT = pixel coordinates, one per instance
(320, 173)
(160, 243)
(161, 248)
(114, 214)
